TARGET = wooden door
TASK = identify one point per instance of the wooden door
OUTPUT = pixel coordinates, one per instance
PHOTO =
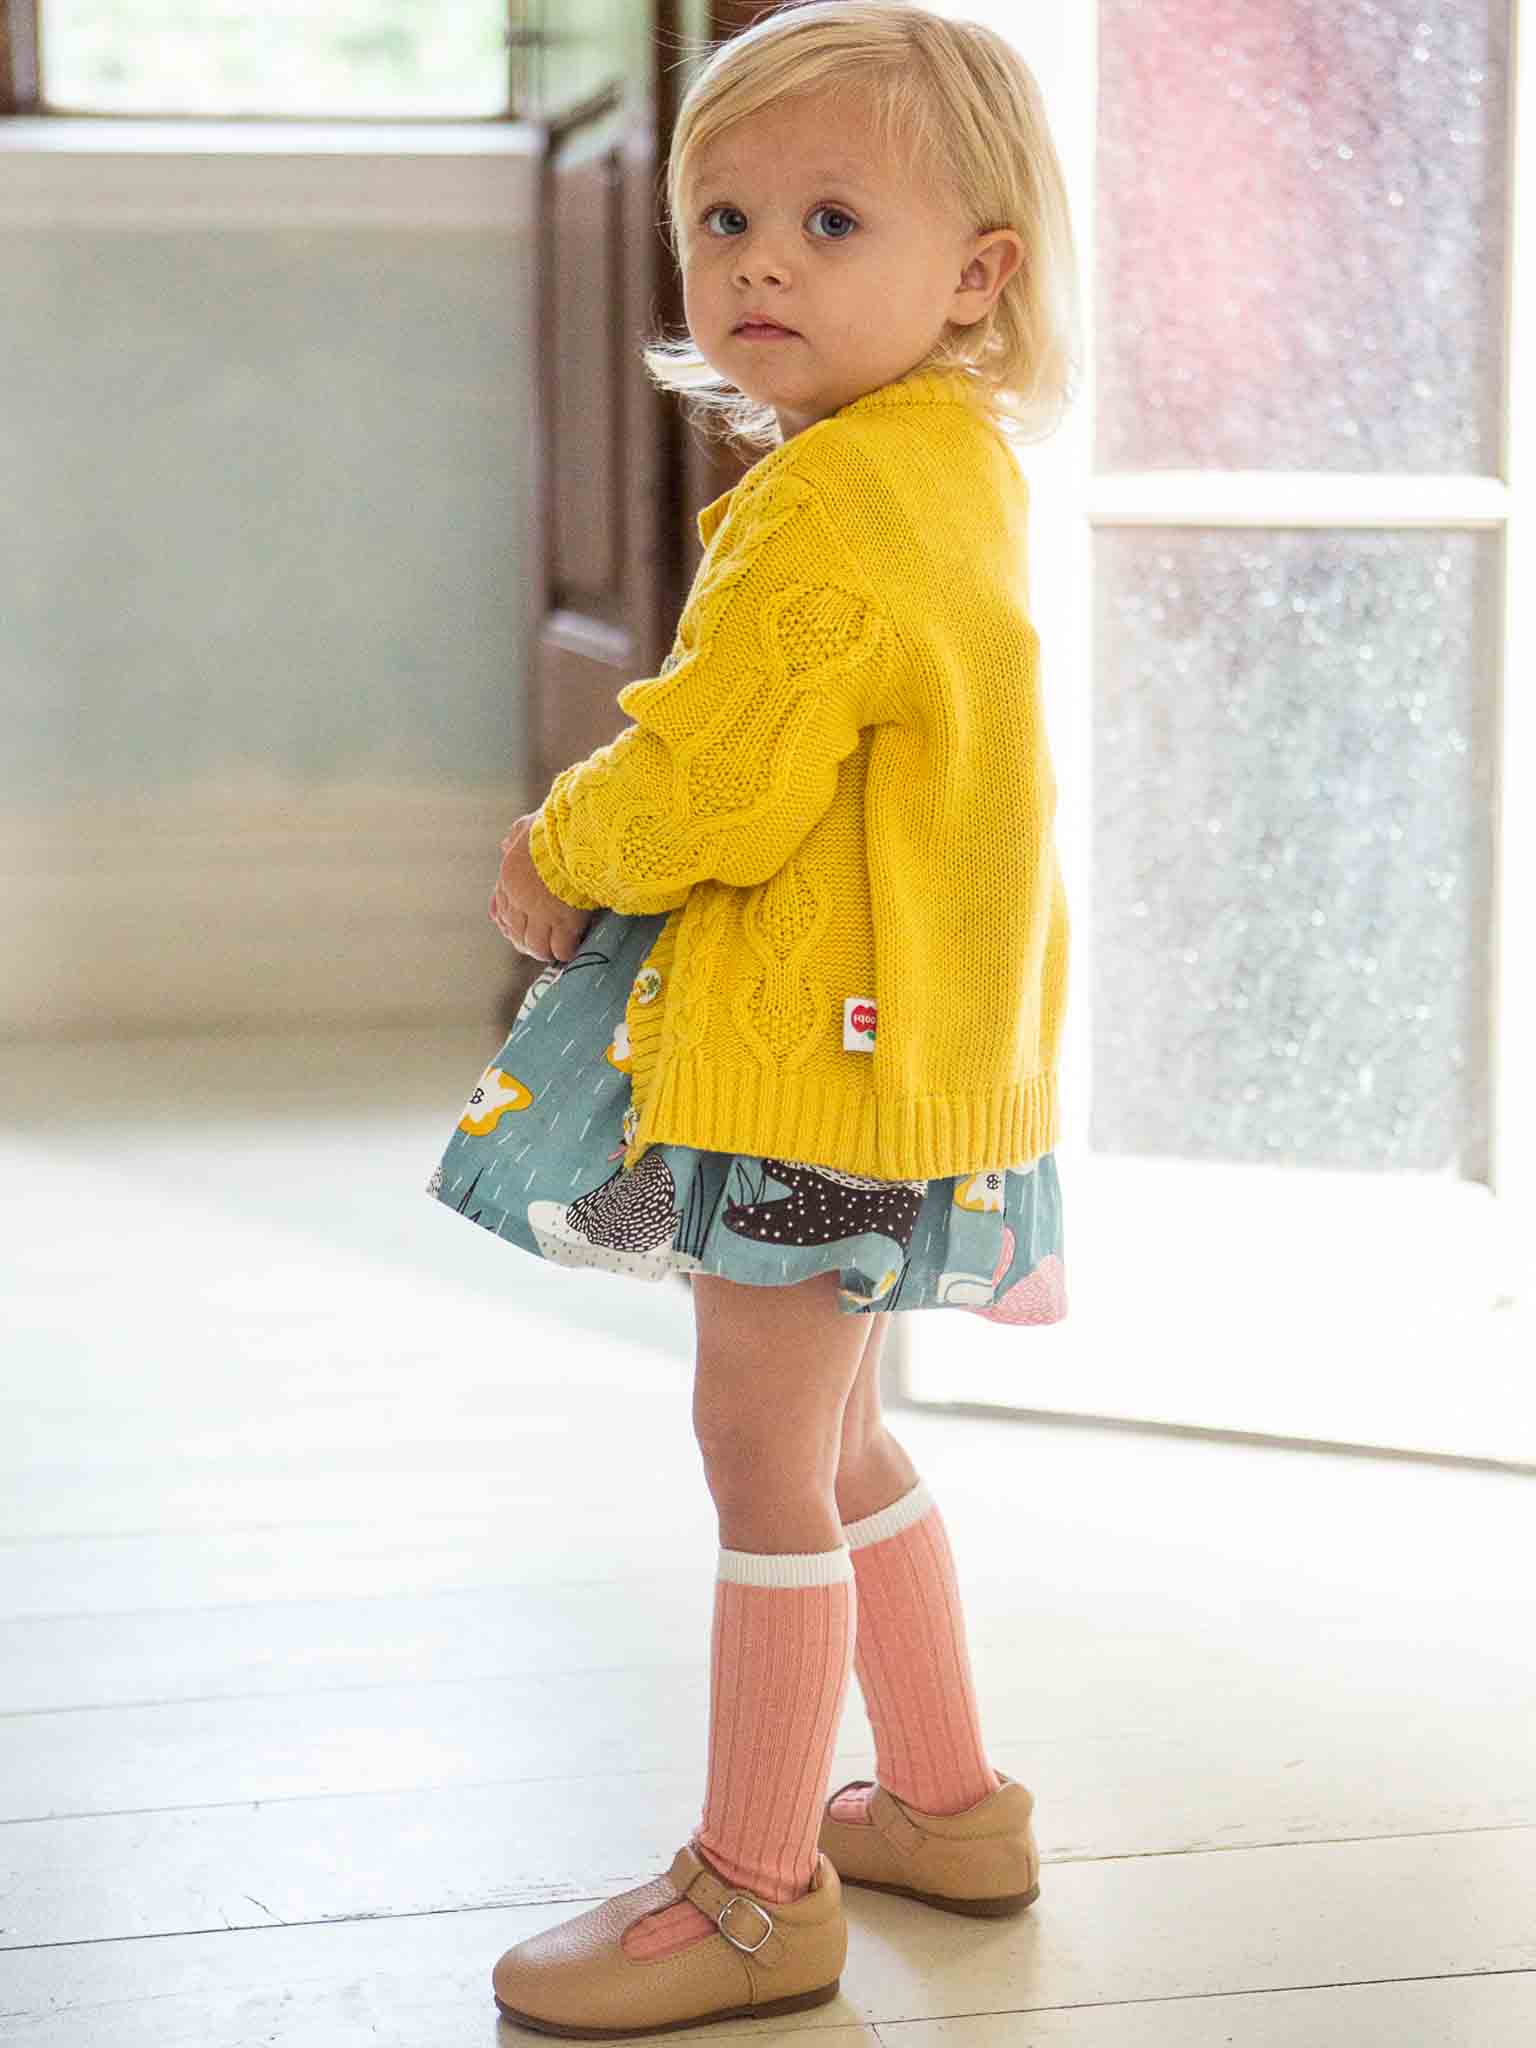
(621, 478)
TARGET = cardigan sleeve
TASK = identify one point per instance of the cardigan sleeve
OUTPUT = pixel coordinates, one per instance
(733, 756)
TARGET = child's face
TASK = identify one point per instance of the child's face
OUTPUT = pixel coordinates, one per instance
(808, 223)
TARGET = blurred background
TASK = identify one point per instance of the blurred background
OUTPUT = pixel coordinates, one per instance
(355, 1565)
(339, 508)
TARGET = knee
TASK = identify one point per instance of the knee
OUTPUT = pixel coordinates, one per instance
(745, 1464)
(727, 1434)
(740, 1428)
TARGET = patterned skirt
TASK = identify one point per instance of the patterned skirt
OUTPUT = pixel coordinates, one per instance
(537, 1158)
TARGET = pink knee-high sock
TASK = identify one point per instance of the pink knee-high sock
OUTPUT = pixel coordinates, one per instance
(913, 1664)
(781, 1660)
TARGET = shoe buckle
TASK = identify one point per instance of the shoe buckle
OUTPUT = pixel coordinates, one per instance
(747, 1948)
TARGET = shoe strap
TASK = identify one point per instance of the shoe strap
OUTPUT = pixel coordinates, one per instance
(904, 1835)
(884, 1814)
(751, 1928)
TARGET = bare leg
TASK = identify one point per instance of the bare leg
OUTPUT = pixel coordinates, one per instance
(873, 1470)
(774, 1370)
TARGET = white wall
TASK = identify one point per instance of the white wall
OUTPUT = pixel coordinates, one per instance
(264, 543)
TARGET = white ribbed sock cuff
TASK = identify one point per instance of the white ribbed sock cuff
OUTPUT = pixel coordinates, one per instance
(788, 1568)
(901, 1514)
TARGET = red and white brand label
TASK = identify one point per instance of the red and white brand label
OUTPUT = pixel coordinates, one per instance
(859, 1024)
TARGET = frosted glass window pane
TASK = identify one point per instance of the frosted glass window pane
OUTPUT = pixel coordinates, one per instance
(1293, 846)
(1300, 259)
(358, 59)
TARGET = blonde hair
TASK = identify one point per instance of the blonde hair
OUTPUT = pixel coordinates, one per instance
(959, 103)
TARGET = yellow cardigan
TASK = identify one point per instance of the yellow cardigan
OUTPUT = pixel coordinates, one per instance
(839, 786)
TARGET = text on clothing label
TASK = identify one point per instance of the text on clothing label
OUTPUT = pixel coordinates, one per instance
(859, 1024)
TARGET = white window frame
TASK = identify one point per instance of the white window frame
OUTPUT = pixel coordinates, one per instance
(1428, 1339)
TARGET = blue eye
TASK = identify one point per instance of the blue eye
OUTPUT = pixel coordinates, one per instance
(841, 213)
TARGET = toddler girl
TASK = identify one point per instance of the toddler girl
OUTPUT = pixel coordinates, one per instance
(806, 945)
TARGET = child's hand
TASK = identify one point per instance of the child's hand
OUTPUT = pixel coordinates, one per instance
(523, 910)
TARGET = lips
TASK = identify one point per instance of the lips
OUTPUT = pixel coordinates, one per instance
(761, 327)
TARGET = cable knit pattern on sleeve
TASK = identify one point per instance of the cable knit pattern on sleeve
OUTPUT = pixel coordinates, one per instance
(838, 789)
(735, 749)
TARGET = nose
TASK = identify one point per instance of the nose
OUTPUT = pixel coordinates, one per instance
(762, 266)
(766, 272)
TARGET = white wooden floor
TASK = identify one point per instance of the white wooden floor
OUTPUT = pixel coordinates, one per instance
(355, 1587)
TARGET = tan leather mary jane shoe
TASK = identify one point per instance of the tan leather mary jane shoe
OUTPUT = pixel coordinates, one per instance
(983, 1861)
(576, 1980)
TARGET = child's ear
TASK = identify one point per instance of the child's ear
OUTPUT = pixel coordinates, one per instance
(1010, 257)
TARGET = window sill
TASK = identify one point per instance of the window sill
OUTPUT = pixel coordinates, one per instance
(73, 172)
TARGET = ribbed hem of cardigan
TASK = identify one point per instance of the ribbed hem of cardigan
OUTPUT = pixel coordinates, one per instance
(912, 1137)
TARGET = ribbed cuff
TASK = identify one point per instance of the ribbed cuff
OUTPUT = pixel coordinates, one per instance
(789, 1568)
(901, 1514)
(554, 878)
